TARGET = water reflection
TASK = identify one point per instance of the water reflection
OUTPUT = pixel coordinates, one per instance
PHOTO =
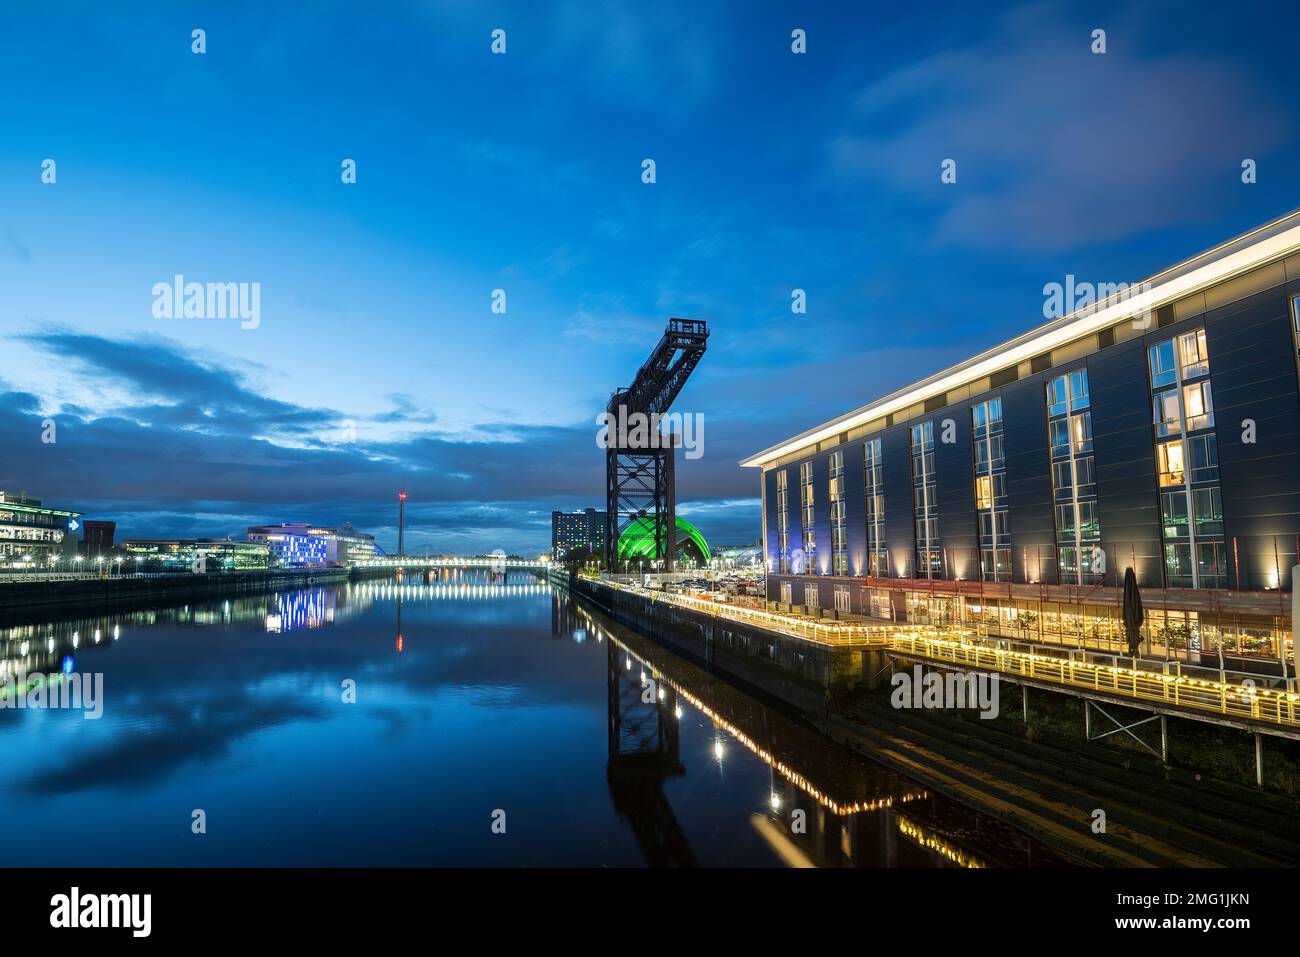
(824, 806)
(475, 691)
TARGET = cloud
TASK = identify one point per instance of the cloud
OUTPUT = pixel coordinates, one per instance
(197, 451)
(1056, 146)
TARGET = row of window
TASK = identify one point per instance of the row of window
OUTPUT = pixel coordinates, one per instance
(1186, 455)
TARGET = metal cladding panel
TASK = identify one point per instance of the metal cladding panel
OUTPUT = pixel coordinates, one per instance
(855, 508)
(955, 488)
(822, 514)
(1253, 376)
(900, 527)
(769, 519)
(795, 508)
(1030, 520)
(1124, 442)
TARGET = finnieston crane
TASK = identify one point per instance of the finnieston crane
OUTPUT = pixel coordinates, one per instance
(639, 480)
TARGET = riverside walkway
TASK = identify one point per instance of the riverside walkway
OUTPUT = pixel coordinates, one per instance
(1252, 702)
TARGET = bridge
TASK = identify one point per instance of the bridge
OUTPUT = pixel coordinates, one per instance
(491, 562)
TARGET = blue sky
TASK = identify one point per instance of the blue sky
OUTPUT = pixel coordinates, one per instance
(775, 171)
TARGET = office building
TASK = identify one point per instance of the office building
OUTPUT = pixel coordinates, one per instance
(303, 544)
(192, 555)
(33, 536)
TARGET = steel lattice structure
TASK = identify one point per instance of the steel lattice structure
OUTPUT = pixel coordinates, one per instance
(639, 480)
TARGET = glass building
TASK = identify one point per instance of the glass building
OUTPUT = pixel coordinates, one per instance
(33, 536)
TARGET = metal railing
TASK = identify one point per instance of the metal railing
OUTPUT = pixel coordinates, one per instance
(808, 628)
(1239, 700)
(1233, 694)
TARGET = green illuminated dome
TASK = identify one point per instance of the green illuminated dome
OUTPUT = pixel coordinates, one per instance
(638, 541)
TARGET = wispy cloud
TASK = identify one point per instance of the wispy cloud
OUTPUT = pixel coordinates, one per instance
(1057, 146)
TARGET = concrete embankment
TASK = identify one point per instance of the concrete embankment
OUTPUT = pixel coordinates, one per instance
(1157, 815)
(796, 671)
(115, 592)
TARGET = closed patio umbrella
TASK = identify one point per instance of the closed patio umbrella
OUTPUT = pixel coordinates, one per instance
(1132, 611)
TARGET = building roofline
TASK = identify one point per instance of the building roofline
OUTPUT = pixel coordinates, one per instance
(1257, 247)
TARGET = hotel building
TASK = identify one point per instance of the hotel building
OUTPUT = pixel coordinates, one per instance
(584, 529)
(1157, 429)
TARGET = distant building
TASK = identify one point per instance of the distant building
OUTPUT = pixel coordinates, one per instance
(97, 537)
(191, 554)
(737, 556)
(32, 535)
(304, 544)
(159, 554)
(226, 555)
(295, 545)
(585, 529)
(353, 546)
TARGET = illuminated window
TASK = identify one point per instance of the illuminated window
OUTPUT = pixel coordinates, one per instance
(1166, 417)
(1193, 354)
(875, 494)
(783, 521)
(1078, 526)
(839, 551)
(1170, 463)
(929, 555)
(1191, 515)
(809, 527)
(1199, 405)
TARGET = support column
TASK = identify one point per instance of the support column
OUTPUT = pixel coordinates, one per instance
(1024, 701)
(1259, 760)
(1087, 719)
(1164, 740)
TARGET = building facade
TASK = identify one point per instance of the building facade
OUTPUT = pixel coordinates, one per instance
(33, 536)
(1157, 429)
(297, 545)
(303, 544)
(194, 555)
(353, 547)
(97, 538)
(584, 529)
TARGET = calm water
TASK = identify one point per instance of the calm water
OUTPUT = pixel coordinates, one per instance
(474, 695)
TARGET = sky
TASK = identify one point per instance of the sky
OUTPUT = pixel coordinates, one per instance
(377, 361)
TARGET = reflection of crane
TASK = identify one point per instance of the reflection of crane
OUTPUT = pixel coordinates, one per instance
(639, 479)
(643, 753)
